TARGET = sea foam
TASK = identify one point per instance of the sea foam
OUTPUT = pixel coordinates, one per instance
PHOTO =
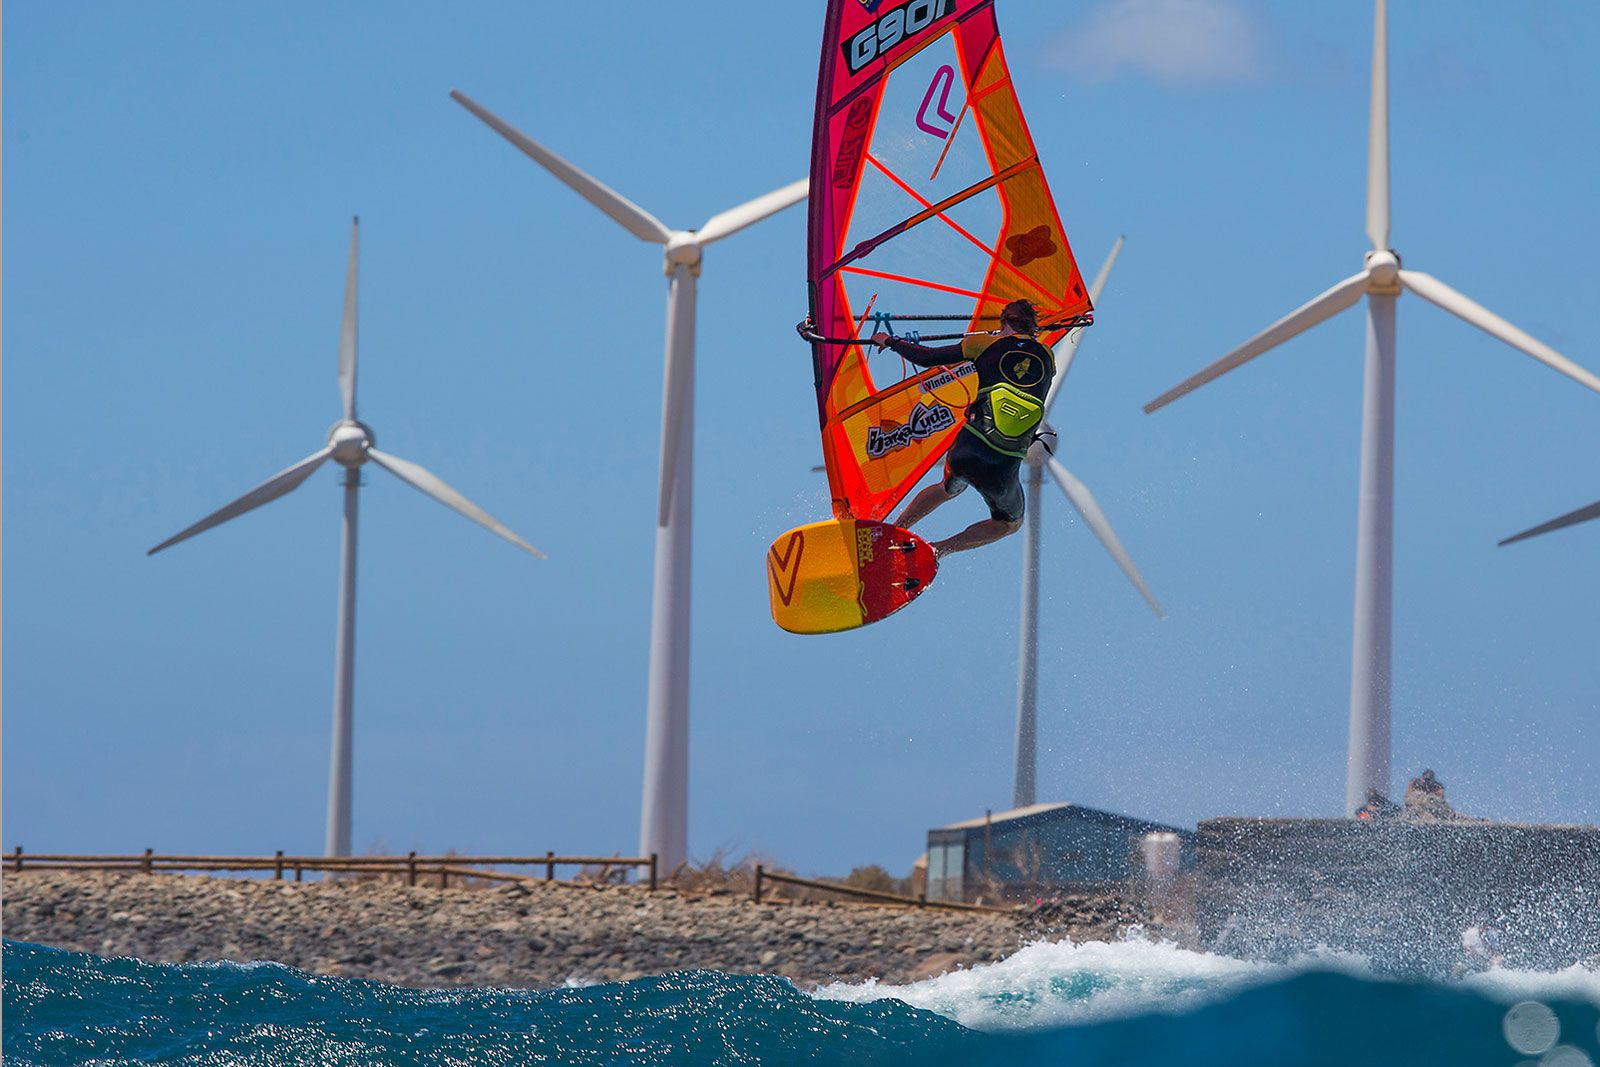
(1057, 983)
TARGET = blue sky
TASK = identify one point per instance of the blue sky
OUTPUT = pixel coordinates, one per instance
(179, 184)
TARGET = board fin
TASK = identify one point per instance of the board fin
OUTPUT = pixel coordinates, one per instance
(844, 573)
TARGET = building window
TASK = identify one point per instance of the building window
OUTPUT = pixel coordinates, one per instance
(944, 871)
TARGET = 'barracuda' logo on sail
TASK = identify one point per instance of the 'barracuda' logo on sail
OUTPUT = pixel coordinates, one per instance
(925, 421)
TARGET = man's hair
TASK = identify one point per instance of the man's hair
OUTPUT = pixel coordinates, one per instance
(1020, 316)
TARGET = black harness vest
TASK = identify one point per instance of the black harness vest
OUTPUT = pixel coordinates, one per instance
(1014, 376)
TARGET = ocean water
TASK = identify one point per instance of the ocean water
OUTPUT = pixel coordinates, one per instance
(1132, 1002)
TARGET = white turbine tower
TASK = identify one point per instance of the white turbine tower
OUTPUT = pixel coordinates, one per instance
(1381, 281)
(664, 820)
(1079, 497)
(350, 444)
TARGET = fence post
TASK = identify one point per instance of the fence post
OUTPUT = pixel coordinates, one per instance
(147, 854)
(17, 856)
(444, 878)
(277, 866)
(760, 870)
(298, 872)
(549, 867)
(653, 861)
(411, 868)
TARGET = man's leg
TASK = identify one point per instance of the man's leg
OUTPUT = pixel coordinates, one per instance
(922, 504)
(977, 535)
(1001, 488)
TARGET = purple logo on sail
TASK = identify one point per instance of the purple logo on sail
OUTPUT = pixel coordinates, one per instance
(943, 78)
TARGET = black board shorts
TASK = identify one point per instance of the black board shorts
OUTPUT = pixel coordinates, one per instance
(995, 476)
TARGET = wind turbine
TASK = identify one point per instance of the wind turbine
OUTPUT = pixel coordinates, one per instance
(1381, 281)
(664, 819)
(350, 444)
(1079, 497)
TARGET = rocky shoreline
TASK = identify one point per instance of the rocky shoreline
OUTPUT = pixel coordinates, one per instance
(525, 934)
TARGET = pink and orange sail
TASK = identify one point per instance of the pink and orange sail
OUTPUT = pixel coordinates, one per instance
(928, 209)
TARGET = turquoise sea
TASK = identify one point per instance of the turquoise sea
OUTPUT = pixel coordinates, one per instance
(1130, 1003)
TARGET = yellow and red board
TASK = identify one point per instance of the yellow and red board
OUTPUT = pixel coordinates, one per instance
(844, 573)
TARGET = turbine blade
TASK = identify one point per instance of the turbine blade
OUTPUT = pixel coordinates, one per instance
(1067, 348)
(1080, 497)
(431, 484)
(285, 480)
(347, 329)
(1301, 319)
(633, 218)
(1571, 518)
(1434, 291)
(1378, 134)
(732, 221)
(1098, 286)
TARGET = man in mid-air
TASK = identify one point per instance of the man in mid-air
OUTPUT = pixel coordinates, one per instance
(1014, 373)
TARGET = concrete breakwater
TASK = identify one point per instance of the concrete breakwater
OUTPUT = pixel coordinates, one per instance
(524, 934)
(1400, 892)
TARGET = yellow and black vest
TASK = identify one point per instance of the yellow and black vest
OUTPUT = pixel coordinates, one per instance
(1014, 376)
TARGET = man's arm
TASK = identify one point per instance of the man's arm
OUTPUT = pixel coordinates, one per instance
(921, 355)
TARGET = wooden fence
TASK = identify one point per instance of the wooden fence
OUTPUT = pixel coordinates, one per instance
(411, 864)
(444, 868)
(764, 875)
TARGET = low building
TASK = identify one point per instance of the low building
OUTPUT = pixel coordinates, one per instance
(1043, 849)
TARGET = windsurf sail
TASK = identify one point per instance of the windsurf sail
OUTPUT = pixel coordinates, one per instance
(929, 212)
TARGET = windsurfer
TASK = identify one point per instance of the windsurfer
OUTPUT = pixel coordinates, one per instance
(1014, 372)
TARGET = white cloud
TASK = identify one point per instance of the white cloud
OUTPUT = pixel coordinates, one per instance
(1180, 42)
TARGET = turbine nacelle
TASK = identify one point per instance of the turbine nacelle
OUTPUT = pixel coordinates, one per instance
(683, 250)
(1383, 271)
(1038, 454)
(349, 442)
